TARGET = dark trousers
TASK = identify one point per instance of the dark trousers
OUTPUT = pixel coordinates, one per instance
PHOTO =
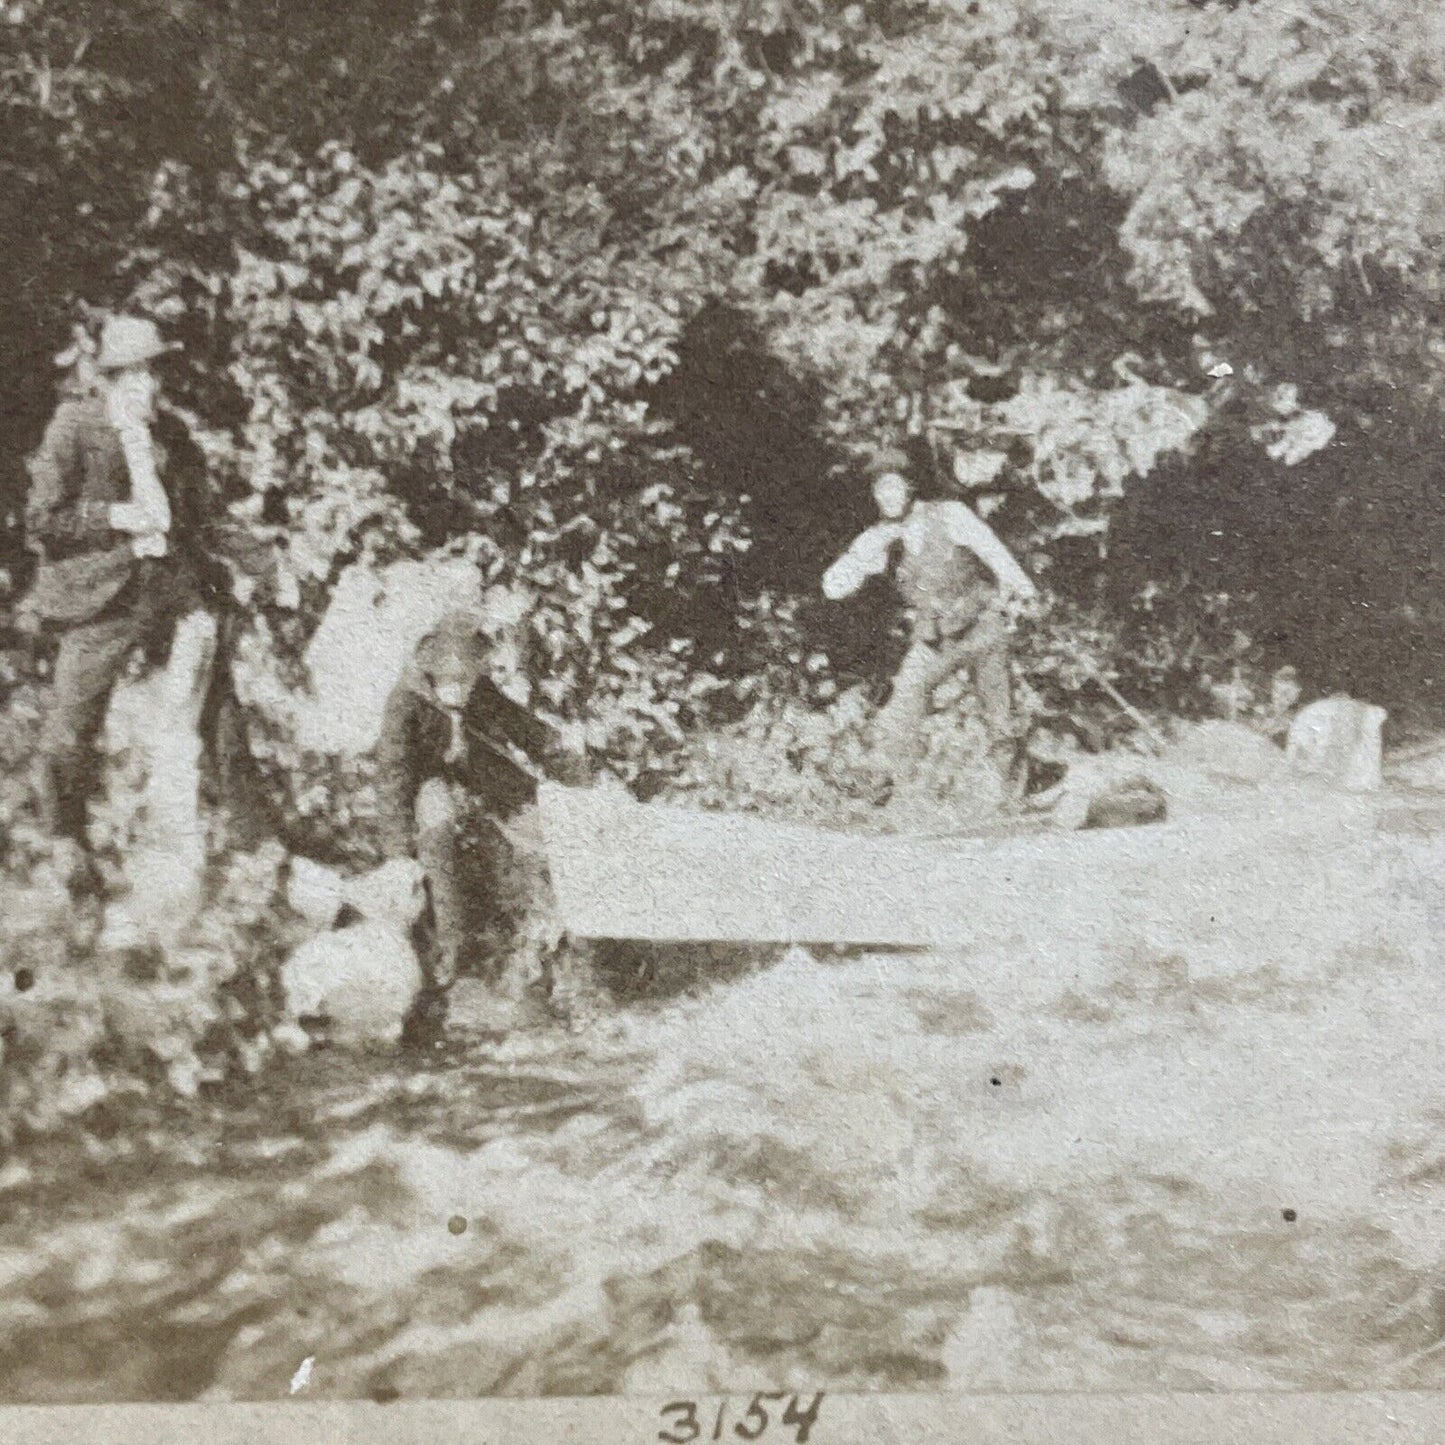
(486, 874)
(88, 663)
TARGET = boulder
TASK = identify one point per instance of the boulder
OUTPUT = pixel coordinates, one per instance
(153, 725)
(1340, 740)
(1131, 803)
(1102, 787)
(363, 979)
(315, 891)
(1421, 767)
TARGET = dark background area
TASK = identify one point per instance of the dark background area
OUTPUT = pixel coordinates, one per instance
(1332, 565)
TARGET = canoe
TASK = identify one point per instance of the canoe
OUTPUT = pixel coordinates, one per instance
(660, 872)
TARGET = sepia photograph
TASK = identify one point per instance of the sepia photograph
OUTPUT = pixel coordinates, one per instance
(731, 704)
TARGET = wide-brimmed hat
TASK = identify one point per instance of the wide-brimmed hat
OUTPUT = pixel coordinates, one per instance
(130, 341)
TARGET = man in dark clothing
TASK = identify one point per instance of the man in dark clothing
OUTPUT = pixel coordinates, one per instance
(457, 766)
(108, 530)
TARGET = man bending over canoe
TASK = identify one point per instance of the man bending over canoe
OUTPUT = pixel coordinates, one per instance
(457, 769)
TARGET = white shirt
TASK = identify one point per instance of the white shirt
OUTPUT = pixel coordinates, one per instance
(868, 554)
(147, 494)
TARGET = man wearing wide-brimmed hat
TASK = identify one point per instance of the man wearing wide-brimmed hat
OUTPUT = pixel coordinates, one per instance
(101, 519)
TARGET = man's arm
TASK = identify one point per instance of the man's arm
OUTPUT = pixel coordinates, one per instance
(192, 512)
(967, 529)
(540, 741)
(148, 513)
(866, 557)
(195, 533)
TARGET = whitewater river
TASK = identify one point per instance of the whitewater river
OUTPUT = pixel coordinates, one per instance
(1202, 1153)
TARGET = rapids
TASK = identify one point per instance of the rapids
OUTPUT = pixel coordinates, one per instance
(1204, 1153)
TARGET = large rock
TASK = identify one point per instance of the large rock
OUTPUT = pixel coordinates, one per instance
(1215, 763)
(362, 979)
(1340, 740)
(1106, 790)
(375, 620)
(1132, 803)
(153, 731)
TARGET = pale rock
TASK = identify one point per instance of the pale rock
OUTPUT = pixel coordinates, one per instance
(1089, 777)
(77, 1092)
(1228, 750)
(363, 978)
(1341, 740)
(315, 891)
(156, 722)
(1204, 762)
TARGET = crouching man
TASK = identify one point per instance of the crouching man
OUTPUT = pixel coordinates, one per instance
(457, 770)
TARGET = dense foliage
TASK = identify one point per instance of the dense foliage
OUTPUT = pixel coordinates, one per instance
(614, 298)
(465, 270)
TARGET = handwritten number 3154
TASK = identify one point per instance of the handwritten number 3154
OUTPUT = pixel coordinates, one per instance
(684, 1425)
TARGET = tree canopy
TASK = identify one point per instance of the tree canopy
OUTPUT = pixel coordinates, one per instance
(618, 295)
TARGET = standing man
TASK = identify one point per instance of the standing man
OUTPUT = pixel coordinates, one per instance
(100, 517)
(956, 579)
(456, 783)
